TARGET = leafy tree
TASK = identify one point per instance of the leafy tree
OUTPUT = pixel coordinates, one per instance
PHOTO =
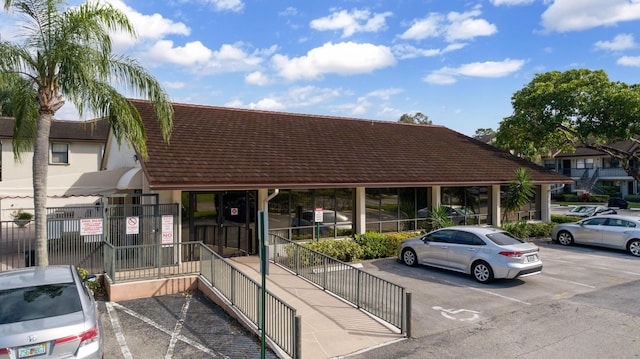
(6, 108)
(519, 192)
(484, 132)
(417, 118)
(66, 54)
(560, 111)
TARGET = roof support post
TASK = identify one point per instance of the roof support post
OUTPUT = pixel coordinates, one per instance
(359, 211)
(495, 206)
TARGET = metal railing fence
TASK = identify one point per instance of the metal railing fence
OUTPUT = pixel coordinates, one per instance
(282, 324)
(152, 261)
(375, 295)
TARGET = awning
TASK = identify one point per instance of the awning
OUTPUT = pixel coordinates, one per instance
(78, 184)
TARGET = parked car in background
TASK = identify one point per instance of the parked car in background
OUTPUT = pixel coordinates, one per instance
(590, 210)
(48, 312)
(618, 203)
(612, 231)
(485, 253)
(458, 215)
(329, 219)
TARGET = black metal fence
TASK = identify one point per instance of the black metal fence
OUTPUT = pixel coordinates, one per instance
(76, 234)
(381, 298)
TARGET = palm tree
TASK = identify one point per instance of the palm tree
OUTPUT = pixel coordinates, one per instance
(66, 54)
(519, 192)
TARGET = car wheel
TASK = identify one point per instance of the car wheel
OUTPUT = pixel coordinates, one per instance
(634, 247)
(482, 272)
(565, 238)
(409, 257)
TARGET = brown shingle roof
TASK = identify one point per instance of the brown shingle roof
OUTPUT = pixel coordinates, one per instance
(71, 131)
(225, 148)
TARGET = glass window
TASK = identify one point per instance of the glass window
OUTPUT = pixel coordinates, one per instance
(467, 238)
(443, 236)
(595, 221)
(504, 238)
(59, 153)
(22, 304)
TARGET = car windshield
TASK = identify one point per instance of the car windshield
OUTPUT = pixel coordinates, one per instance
(37, 302)
(504, 238)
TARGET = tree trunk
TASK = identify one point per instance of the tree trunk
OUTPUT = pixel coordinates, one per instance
(40, 173)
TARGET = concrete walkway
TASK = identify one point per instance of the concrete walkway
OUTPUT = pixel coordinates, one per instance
(331, 328)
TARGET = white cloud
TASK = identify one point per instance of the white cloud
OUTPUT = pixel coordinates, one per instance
(289, 11)
(146, 26)
(490, 69)
(619, 43)
(629, 61)
(257, 78)
(190, 54)
(424, 28)
(267, 104)
(345, 58)
(464, 26)
(406, 51)
(511, 2)
(453, 27)
(385, 94)
(571, 15)
(351, 22)
(173, 84)
(226, 5)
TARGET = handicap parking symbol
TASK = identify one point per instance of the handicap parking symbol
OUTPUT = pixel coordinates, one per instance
(464, 315)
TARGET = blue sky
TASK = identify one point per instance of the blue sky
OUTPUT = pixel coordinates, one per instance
(458, 62)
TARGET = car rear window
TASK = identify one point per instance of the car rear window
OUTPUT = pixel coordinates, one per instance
(29, 303)
(504, 238)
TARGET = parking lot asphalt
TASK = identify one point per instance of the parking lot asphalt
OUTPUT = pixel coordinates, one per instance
(179, 326)
(582, 305)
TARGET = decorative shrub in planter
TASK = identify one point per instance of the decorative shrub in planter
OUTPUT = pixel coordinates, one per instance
(21, 218)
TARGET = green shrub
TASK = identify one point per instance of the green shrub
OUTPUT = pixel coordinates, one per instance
(570, 197)
(379, 245)
(345, 250)
(523, 229)
(93, 285)
(632, 197)
(561, 218)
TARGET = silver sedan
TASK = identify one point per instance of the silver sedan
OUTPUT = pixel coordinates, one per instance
(612, 231)
(485, 253)
(48, 312)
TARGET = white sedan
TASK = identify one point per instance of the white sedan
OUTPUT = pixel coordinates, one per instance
(612, 231)
(485, 253)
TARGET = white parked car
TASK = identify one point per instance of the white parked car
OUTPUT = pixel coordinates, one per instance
(485, 253)
(612, 231)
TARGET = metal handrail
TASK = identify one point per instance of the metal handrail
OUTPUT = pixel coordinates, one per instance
(151, 261)
(377, 296)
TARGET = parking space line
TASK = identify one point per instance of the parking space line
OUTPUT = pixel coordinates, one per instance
(488, 292)
(569, 281)
(597, 267)
(180, 337)
(178, 329)
(115, 324)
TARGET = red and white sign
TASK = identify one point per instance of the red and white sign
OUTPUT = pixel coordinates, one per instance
(167, 230)
(133, 226)
(90, 226)
(234, 211)
(319, 214)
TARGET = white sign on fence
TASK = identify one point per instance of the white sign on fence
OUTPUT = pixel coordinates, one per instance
(167, 230)
(91, 229)
(133, 226)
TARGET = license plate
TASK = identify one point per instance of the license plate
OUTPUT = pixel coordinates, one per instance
(32, 350)
(532, 258)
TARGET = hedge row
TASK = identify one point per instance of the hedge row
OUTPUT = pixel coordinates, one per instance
(372, 245)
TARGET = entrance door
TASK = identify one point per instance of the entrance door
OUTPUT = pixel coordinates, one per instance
(224, 221)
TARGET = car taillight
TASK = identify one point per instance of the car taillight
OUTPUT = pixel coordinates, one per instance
(4, 350)
(85, 337)
(512, 254)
